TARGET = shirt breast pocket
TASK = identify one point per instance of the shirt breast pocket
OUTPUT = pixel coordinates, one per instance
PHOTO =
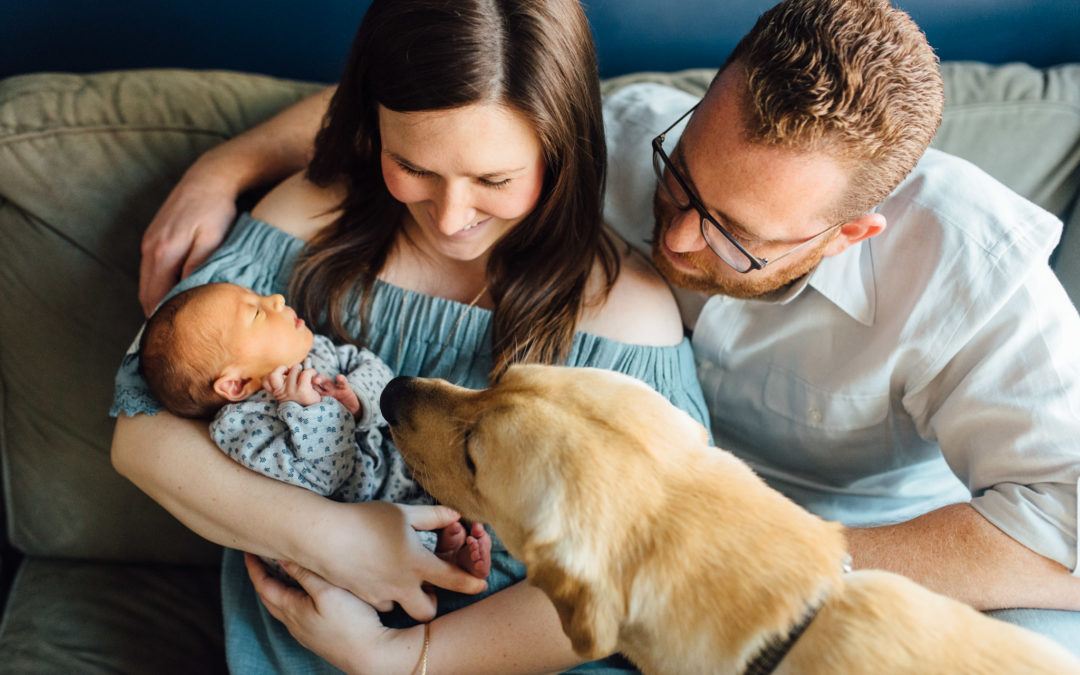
(818, 411)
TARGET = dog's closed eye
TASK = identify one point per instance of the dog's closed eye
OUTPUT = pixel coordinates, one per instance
(469, 464)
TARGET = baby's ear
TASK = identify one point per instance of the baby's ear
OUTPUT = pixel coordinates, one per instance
(233, 388)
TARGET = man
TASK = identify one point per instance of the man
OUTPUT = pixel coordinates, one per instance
(865, 350)
(877, 330)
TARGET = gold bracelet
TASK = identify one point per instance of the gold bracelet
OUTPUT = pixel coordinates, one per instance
(423, 652)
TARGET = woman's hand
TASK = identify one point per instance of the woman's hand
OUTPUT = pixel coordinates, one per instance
(373, 551)
(187, 228)
(334, 623)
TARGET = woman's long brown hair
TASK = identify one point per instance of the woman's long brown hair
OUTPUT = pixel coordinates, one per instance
(534, 56)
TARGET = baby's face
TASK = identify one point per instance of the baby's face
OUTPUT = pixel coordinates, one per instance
(259, 332)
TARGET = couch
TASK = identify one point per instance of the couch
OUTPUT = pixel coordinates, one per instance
(101, 578)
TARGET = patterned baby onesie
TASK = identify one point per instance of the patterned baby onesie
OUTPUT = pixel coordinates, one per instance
(322, 447)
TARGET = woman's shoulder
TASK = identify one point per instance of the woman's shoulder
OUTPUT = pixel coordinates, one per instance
(640, 309)
(299, 207)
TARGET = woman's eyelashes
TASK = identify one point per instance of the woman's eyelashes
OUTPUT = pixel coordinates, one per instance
(496, 184)
(486, 182)
(413, 172)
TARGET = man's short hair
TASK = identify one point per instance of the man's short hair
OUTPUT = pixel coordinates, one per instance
(180, 357)
(855, 79)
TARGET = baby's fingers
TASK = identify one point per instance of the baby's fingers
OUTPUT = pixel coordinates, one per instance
(275, 381)
(292, 376)
(305, 377)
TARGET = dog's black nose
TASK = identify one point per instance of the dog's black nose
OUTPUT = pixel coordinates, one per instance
(392, 397)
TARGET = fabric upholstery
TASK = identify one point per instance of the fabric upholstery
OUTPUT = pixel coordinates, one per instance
(88, 618)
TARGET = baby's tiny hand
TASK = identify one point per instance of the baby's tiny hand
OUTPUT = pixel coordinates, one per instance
(339, 389)
(292, 384)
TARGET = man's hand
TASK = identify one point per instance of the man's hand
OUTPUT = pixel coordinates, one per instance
(195, 218)
(339, 389)
(187, 228)
(292, 384)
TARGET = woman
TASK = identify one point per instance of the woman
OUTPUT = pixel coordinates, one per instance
(449, 221)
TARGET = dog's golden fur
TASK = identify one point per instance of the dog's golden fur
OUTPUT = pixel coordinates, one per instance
(651, 543)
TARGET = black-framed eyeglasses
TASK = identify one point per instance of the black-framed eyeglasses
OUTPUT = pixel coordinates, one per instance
(722, 242)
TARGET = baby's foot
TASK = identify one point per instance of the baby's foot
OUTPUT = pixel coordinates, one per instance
(475, 556)
(450, 540)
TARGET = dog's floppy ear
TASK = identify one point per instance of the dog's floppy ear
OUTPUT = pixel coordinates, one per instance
(590, 616)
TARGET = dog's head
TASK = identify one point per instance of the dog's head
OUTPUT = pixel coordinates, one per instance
(564, 463)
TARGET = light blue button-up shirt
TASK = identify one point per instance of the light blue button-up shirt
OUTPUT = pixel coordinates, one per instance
(934, 363)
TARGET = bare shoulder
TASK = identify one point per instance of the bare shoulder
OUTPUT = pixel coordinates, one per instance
(640, 308)
(298, 206)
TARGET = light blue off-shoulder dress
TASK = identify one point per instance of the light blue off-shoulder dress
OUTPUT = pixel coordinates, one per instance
(416, 335)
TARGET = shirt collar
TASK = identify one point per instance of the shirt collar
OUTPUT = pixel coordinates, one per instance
(847, 280)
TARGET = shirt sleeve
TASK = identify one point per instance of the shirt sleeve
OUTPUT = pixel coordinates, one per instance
(1006, 412)
(309, 446)
(368, 375)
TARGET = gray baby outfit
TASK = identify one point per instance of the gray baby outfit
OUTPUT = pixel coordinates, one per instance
(323, 447)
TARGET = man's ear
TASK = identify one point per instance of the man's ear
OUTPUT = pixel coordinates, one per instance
(854, 231)
(232, 386)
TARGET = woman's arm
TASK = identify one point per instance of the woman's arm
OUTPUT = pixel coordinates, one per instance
(197, 213)
(369, 548)
(516, 630)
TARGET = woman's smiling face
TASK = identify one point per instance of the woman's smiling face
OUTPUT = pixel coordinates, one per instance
(466, 175)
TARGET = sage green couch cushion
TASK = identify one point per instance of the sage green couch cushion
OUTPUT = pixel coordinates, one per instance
(112, 618)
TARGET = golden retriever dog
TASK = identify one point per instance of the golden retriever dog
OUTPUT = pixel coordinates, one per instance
(651, 543)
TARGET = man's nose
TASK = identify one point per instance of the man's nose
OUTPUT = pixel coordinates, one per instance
(683, 234)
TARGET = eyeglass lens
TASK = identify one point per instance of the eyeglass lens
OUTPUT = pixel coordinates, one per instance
(717, 240)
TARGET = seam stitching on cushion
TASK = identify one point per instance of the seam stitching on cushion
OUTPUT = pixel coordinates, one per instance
(998, 105)
(106, 128)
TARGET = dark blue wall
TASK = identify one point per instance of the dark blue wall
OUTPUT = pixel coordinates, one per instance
(308, 40)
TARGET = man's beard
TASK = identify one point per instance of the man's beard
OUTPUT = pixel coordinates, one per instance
(754, 284)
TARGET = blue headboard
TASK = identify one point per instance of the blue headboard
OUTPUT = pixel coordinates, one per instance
(308, 40)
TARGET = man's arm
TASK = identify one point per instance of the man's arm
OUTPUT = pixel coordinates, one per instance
(957, 552)
(196, 215)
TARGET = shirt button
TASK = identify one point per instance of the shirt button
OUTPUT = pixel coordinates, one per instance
(814, 415)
